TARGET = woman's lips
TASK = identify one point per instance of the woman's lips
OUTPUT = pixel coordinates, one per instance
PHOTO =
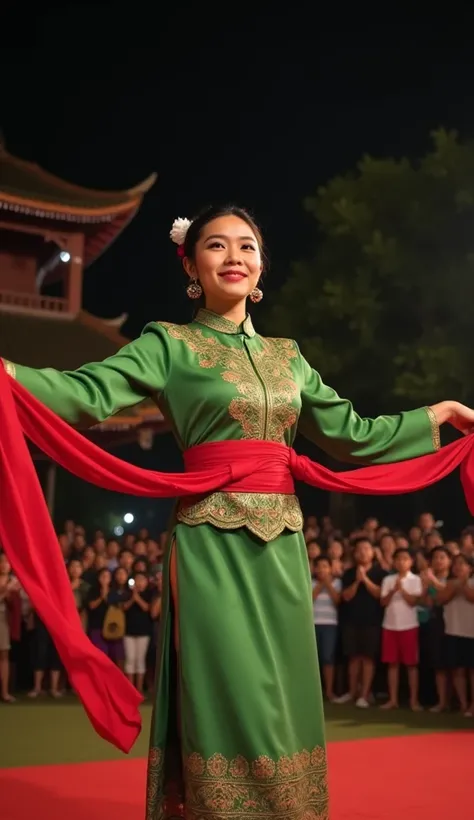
(233, 276)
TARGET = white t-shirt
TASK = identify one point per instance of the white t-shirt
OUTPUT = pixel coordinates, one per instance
(324, 608)
(399, 615)
(459, 615)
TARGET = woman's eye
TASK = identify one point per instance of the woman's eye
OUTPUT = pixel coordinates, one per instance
(248, 247)
(216, 244)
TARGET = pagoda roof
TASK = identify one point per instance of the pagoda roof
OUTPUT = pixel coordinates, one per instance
(27, 190)
(66, 344)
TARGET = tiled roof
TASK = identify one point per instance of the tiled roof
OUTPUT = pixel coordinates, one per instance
(26, 190)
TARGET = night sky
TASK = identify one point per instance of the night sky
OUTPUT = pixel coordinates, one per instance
(226, 105)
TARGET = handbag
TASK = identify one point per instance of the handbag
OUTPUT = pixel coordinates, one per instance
(113, 628)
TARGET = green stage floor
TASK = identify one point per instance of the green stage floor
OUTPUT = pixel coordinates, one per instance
(52, 732)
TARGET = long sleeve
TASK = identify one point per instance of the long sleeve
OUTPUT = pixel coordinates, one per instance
(94, 392)
(332, 423)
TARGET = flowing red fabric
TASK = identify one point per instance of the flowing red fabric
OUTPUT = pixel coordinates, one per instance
(28, 537)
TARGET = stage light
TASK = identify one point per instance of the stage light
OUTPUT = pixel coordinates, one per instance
(128, 518)
(64, 256)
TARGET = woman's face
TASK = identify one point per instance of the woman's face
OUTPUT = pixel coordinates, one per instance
(105, 577)
(88, 557)
(141, 582)
(336, 551)
(387, 545)
(461, 568)
(100, 562)
(227, 261)
(440, 562)
(414, 535)
(314, 550)
(75, 570)
(121, 576)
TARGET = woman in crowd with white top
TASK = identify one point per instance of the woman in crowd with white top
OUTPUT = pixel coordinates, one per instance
(458, 599)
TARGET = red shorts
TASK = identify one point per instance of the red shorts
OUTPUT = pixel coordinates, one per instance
(400, 647)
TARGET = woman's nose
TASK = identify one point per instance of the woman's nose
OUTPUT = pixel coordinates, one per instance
(233, 256)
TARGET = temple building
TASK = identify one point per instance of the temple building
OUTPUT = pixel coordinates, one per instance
(50, 232)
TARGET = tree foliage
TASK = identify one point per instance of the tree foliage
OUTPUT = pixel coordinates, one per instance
(383, 308)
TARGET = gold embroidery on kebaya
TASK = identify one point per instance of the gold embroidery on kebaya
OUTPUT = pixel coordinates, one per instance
(263, 408)
(154, 787)
(261, 789)
(223, 325)
(266, 387)
(272, 363)
(435, 434)
(266, 515)
(9, 368)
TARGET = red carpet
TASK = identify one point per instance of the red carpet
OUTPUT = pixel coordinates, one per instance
(425, 777)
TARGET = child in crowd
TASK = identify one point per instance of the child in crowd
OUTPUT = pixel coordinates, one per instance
(326, 599)
(400, 595)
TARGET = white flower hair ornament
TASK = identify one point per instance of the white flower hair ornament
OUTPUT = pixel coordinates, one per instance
(178, 232)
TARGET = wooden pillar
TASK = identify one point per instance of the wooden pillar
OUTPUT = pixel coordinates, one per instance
(50, 486)
(75, 246)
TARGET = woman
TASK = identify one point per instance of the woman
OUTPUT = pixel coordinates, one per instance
(432, 629)
(138, 629)
(457, 598)
(99, 599)
(238, 723)
(9, 588)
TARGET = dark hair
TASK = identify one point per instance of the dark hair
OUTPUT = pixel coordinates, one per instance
(322, 559)
(433, 552)
(461, 557)
(213, 212)
(361, 539)
(406, 551)
(140, 559)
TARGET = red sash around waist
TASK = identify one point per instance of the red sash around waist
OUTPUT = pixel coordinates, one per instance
(29, 540)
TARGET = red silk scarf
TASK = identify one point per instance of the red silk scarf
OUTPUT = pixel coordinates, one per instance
(29, 540)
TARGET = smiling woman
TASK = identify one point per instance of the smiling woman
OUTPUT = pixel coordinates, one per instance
(224, 256)
(238, 727)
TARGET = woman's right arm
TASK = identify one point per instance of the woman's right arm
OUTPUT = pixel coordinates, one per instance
(96, 391)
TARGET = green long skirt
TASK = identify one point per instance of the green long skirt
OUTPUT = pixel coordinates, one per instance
(238, 729)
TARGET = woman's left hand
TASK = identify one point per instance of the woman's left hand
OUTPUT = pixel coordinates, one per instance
(455, 413)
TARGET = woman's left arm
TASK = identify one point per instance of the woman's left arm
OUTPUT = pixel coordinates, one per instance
(332, 423)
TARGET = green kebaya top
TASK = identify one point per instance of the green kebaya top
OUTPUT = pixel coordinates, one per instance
(214, 381)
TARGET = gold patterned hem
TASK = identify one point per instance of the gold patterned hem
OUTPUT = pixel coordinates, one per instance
(154, 788)
(9, 368)
(435, 433)
(219, 788)
(265, 515)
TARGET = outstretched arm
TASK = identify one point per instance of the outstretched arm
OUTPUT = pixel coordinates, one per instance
(94, 392)
(332, 423)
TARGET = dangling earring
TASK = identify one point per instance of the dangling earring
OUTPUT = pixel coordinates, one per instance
(256, 295)
(194, 289)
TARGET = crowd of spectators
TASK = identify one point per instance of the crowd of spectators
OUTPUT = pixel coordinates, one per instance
(117, 588)
(384, 601)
